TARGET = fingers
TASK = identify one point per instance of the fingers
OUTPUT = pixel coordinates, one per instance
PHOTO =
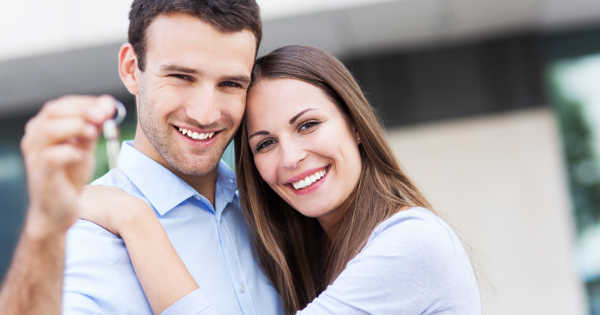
(91, 108)
(63, 130)
(43, 134)
(72, 119)
(59, 156)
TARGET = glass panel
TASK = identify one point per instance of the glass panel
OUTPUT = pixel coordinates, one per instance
(14, 198)
(575, 91)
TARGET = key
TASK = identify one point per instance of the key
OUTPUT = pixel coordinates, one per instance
(110, 129)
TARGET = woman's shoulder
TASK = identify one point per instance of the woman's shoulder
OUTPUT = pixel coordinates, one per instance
(413, 261)
(416, 230)
(418, 220)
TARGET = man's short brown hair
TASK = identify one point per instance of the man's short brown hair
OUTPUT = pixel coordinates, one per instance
(226, 15)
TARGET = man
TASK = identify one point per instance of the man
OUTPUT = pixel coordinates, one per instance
(188, 63)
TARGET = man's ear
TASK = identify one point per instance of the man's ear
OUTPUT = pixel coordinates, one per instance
(128, 68)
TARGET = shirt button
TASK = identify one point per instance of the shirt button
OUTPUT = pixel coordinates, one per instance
(242, 288)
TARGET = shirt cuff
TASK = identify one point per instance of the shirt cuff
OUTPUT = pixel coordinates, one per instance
(194, 303)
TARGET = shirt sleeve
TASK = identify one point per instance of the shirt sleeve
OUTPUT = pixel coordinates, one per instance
(80, 279)
(99, 278)
(75, 304)
(194, 303)
(411, 265)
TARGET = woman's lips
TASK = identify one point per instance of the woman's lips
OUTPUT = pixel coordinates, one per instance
(308, 181)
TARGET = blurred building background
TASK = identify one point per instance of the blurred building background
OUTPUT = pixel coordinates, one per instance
(489, 106)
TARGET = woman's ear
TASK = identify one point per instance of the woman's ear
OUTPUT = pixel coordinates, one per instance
(128, 68)
(356, 135)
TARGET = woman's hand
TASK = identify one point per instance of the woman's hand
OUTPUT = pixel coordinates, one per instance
(147, 243)
(112, 208)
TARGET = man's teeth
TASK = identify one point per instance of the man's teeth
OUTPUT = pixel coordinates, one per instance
(196, 136)
(308, 180)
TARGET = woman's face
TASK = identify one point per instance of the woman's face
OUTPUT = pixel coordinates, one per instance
(303, 146)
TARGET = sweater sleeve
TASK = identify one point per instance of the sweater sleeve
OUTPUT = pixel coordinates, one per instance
(412, 264)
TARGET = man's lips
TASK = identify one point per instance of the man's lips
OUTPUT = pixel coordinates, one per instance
(196, 134)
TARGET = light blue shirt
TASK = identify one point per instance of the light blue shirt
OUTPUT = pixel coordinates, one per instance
(412, 264)
(212, 242)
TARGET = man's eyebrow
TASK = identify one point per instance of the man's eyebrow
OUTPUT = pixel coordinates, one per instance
(176, 68)
(242, 78)
(262, 132)
(299, 114)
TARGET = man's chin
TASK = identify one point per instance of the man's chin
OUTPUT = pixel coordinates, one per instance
(199, 167)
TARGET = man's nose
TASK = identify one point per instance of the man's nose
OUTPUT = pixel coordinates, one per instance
(204, 107)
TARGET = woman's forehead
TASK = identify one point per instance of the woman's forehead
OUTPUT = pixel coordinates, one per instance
(279, 100)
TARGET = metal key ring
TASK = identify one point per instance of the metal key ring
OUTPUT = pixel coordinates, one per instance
(110, 130)
(120, 113)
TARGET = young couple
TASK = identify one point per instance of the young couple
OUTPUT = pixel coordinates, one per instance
(325, 221)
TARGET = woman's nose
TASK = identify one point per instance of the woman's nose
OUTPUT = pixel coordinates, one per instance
(292, 154)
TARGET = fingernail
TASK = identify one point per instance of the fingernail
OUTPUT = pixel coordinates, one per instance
(102, 109)
(97, 113)
(107, 104)
(90, 131)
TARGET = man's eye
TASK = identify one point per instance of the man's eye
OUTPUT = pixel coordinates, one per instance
(308, 125)
(231, 84)
(184, 77)
(264, 145)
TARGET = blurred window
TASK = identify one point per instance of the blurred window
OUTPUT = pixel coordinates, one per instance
(575, 91)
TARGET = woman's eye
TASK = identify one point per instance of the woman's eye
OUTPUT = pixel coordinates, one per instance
(308, 125)
(264, 145)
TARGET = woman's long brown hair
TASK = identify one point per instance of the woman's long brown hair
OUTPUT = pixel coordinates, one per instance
(293, 250)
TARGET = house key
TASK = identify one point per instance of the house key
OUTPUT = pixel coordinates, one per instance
(110, 129)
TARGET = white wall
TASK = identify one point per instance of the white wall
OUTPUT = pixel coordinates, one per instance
(500, 181)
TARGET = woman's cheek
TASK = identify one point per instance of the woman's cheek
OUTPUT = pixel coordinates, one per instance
(265, 169)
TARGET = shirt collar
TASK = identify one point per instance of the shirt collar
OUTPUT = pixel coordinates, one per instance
(163, 189)
(226, 189)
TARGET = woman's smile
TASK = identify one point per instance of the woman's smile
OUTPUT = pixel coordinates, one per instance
(308, 181)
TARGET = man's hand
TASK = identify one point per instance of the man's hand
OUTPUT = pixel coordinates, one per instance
(58, 149)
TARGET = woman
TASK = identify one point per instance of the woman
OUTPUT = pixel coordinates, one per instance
(338, 227)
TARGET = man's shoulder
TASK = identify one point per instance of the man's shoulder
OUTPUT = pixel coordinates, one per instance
(117, 178)
(114, 177)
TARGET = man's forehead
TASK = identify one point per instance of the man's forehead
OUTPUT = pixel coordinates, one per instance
(192, 46)
(179, 21)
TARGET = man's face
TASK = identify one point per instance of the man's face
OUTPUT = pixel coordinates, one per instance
(191, 95)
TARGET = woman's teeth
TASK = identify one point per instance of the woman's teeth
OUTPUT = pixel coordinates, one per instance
(308, 180)
(196, 136)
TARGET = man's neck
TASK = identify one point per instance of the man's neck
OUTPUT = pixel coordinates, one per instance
(203, 184)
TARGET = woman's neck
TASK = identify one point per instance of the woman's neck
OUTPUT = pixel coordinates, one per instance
(330, 222)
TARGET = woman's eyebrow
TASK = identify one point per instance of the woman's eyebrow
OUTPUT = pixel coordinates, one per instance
(292, 120)
(262, 132)
(299, 114)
